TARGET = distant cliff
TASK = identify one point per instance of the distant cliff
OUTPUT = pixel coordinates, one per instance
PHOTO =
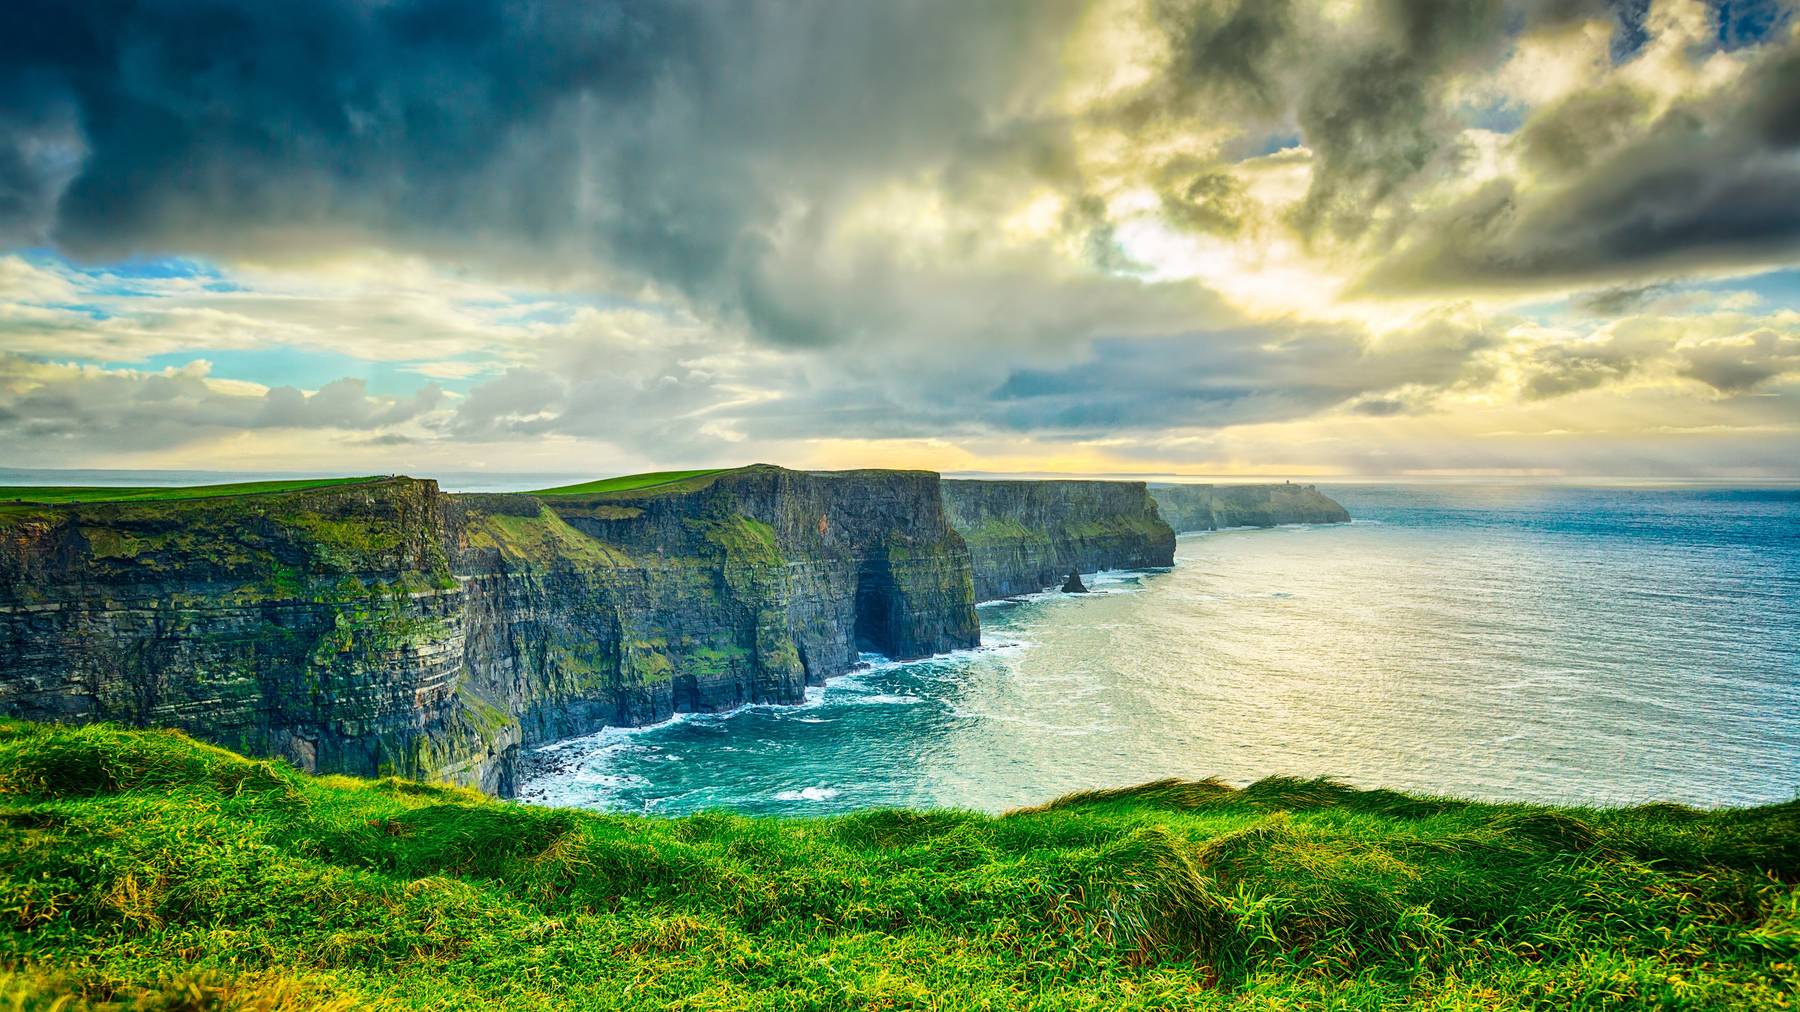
(1024, 536)
(1213, 507)
(384, 627)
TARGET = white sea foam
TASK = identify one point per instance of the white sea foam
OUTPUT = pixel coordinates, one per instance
(808, 794)
(610, 736)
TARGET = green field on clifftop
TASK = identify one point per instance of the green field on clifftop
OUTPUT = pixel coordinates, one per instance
(49, 494)
(139, 869)
(629, 482)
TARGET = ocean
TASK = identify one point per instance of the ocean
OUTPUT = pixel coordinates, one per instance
(1530, 643)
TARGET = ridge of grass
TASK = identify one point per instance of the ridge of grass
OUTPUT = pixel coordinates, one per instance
(631, 482)
(139, 869)
(53, 494)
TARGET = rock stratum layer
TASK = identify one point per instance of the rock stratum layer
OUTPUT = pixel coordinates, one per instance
(384, 627)
(1024, 536)
(1215, 507)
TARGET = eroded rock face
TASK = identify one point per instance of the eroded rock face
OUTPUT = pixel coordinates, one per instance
(325, 626)
(1025, 536)
(384, 627)
(1212, 507)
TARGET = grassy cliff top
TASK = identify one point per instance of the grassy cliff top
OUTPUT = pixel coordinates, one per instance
(142, 870)
(51, 494)
(631, 482)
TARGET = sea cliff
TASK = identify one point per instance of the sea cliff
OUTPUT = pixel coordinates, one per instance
(1215, 507)
(380, 626)
(384, 627)
(1024, 536)
(324, 626)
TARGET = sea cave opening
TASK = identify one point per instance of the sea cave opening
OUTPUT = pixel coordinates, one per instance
(874, 631)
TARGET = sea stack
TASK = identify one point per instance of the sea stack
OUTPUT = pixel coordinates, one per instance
(1073, 584)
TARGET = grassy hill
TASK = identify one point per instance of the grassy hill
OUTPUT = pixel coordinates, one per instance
(630, 482)
(143, 870)
(148, 493)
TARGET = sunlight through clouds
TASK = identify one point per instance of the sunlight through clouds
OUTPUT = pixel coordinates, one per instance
(1176, 235)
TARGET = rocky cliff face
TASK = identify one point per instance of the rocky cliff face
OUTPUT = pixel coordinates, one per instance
(1212, 507)
(383, 627)
(742, 587)
(1024, 536)
(324, 626)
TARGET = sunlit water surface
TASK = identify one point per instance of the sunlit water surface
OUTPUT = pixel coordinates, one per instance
(1547, 644)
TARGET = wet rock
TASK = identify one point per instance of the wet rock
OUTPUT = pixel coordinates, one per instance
(1073, 584)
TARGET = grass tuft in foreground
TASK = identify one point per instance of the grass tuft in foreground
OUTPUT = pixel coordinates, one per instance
(142, 870)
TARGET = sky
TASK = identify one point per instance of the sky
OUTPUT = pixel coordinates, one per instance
(1299, 237)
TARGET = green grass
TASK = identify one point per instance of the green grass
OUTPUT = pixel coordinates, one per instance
(630, 482)
(141, 870)
(546, 539)
(72, 493)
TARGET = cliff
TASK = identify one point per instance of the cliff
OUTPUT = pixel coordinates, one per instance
(322, 625)
(736, 587)
(383, 627)
(1212, 507)
(1024, 536)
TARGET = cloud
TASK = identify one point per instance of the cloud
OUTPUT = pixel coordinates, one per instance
(725, 156)
(1615, 300)
(710, 228)
(1735, 365)
(1556, 370)
(1628, 185)
(47, 408)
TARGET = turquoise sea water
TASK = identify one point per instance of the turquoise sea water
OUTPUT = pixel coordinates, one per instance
(1531, 643)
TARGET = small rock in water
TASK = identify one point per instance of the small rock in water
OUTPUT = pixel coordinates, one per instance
(1073, 584)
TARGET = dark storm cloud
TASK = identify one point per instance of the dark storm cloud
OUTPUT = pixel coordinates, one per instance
(1230, 52)
(1223, 378)
(40, 149)
(687, 143)
(829, 192)
(668, 141)
(1375, 116)
(708, 148)
(1711, 183)
(1371, 100)
(1617, 300)
(1572, 134)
